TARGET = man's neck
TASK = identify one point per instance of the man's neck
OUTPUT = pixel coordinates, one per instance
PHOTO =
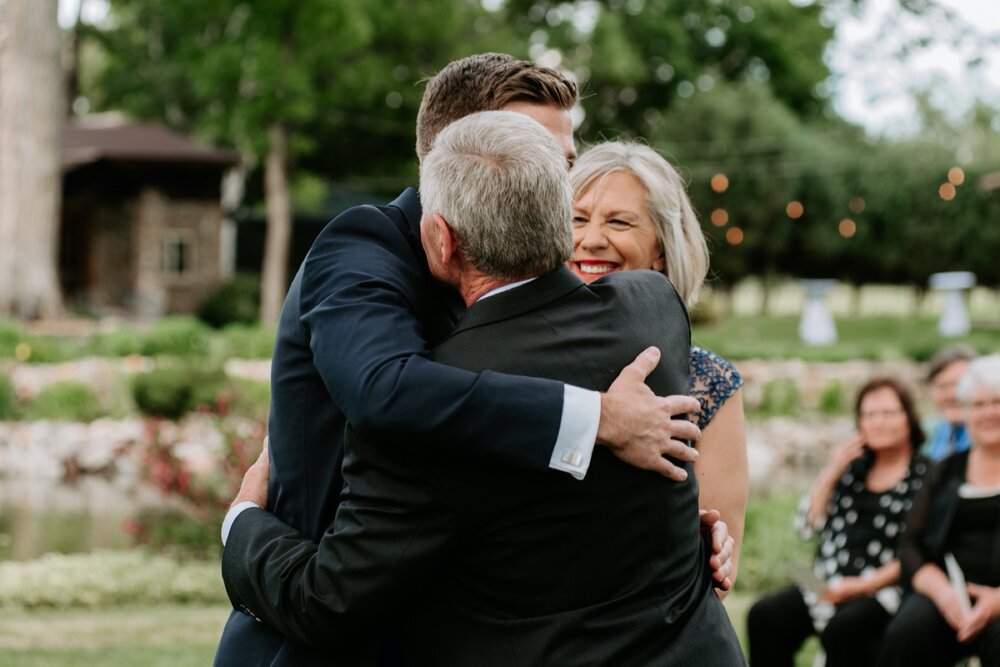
(474, 285)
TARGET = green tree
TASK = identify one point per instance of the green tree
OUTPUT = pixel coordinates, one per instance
(766, 158)
(636, 58)
(272, 77)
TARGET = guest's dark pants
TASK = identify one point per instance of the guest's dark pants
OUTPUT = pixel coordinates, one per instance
(779, 623)
(920, 637)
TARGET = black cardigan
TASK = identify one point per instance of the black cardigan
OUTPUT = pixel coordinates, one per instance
(926, 535)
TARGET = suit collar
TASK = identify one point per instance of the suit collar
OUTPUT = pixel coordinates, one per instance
(408, 202)
(520, 300)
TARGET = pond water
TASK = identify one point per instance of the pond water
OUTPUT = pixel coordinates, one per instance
(40, 516)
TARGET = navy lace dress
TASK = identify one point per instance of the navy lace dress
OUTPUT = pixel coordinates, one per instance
(713, 381)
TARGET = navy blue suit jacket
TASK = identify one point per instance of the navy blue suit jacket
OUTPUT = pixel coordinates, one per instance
(353, 345)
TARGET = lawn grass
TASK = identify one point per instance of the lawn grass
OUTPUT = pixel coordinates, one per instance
(144, 631)
(876, 338)
(772, 551)
(167, 635)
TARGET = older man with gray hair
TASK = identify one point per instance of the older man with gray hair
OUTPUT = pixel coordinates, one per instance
(497, 204)
(474, 566)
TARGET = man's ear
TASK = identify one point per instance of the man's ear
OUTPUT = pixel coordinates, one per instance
(447, 240)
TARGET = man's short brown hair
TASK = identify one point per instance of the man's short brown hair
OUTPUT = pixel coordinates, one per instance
(486, 82)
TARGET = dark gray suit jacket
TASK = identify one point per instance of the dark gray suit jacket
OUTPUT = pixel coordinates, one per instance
(488, 565)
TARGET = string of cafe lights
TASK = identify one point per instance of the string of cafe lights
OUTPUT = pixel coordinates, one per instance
(847, 227)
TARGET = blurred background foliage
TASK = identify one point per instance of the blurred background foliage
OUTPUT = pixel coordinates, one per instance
(721, 87)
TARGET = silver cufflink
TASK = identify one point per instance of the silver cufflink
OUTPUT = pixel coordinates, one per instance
(572, 458)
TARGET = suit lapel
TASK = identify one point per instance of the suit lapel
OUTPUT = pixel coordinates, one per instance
(520, 300)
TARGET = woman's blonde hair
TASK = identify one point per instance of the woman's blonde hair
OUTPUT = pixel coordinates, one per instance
(684, 249)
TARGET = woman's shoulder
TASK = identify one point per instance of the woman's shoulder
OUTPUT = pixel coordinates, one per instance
(711, 370)
(713, 381)
(950, 469)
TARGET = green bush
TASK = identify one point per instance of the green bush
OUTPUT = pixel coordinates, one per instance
(831, 400)
(68, 401)
(178, 336)
(119, 343)
(8, 399)
(106, 579)
(235, 301)
(16, 344)
(10, 336)
(162, 392)
(922, 350)
(248, 398)
(173, 391)
(172, 531)
(247, 341)
(780, 398)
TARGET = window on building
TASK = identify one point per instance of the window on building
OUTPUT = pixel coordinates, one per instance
(178, 254)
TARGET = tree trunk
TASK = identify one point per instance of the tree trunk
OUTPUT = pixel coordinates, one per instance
(274, 276)
(767, 282)
(71, 62)
(856, 300)
(31, 115)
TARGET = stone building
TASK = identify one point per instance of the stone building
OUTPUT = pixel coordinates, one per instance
(142, 229)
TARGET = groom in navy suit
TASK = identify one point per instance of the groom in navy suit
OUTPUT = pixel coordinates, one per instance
(353, 347)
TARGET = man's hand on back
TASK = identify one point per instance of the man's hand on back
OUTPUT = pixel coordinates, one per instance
(638, 426)
(720, 560)
(254, 486)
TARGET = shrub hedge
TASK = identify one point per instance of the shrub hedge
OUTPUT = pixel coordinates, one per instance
(68, 400)
(236, 301)
(8, 399)
(173, 390)
(106, 579)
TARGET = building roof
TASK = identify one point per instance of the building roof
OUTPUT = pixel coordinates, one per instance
(88, 141)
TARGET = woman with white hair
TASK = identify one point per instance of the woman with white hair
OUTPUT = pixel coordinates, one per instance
(631, 211)
(950, 552)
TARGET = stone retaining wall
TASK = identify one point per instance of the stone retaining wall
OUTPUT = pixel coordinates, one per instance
(783, 451)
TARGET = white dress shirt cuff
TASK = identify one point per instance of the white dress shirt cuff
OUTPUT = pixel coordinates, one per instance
(581, 416)
(231, 515)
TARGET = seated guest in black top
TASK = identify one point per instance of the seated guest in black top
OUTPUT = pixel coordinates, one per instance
(953, 538)
(858, 506)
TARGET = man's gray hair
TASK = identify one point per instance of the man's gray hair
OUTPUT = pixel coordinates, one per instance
(983, 372)
(499, 180)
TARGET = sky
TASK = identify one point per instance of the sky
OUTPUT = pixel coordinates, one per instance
(870, 86)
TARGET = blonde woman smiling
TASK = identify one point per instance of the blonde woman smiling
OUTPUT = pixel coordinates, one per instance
(631, 212)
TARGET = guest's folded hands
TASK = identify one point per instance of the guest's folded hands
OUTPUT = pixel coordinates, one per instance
(847, 589)
(984, 610)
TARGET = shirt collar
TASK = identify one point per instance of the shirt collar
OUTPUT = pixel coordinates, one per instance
(505, 288)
